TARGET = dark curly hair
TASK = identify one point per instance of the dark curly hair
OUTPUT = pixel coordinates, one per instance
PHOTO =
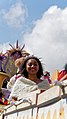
(24, 71)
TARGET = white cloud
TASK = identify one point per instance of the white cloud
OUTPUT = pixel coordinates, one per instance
(16, 15)
(4, 47)
(48, 38)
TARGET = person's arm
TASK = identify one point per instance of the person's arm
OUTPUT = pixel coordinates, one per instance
(11, 83)
(15, 90)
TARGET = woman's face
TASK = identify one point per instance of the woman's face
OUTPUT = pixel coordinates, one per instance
(32, 66)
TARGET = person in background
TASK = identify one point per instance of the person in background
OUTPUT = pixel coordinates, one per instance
(63, 74)
(47, 76)
(30, 80)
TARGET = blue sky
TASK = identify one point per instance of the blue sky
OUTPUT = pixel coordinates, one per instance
(35, 9)
(40, 24)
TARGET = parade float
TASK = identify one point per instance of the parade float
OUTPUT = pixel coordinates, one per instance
(50, 104)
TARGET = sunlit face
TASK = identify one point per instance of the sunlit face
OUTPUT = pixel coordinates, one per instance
(32, 66)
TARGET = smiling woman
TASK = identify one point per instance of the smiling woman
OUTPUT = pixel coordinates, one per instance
(31, 66)
(31, 72)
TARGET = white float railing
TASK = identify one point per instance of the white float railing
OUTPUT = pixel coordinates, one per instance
(51, 104)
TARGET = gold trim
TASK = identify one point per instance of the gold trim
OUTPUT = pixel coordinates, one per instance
(5, 74)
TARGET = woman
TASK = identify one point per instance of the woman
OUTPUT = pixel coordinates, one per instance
(30, 80)
(47, 76)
